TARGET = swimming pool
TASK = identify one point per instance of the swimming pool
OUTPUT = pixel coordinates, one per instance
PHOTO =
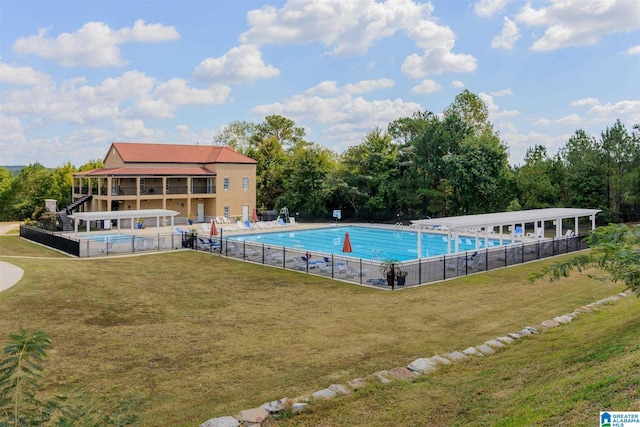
(367, 243)
(114, 238)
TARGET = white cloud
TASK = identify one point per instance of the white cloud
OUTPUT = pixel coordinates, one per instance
(571, 119)
(426, 87)
(22, 75)
(634, 50)
(346, 119)
(584, 101)
(488, 8)
(346, 27)
(350, 28)
(494, 109)
(328, 87)
(133, 129)
(240, 64)
(579, 22)
(619, 109)
(542, 122)
(503, 92)
(94, 45)
(508, 36)
(76, 102)
(457, 84)
(176, 93)
(437, 61)
(365, 86)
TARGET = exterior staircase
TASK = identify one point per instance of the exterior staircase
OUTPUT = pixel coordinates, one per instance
(63, 216)
(77, 203)
(64, 221)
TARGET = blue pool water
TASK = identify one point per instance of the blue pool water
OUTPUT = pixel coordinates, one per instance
(114, 238)
(368, 243)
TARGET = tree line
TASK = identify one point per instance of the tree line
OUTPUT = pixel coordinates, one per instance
(426, 165)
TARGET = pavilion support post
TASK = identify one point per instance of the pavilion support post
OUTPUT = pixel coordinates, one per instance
(419, 243)
(593, 222)
(500, 230)
(575, 230)
(558, 227)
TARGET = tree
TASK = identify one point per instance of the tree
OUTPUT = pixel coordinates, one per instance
(20, 372)
(534, 180)
(472, 110)
(237, 134)
(306, 170)
(6, 183)
(615, 250)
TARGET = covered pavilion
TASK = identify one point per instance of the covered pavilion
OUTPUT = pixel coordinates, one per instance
(485, 224)
(108, 216)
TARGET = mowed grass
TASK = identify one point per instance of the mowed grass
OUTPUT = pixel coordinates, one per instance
(201, 336)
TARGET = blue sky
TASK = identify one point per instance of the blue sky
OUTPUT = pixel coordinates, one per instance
(76, 76)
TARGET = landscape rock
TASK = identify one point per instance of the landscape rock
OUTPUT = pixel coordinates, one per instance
(357, 383)
(382, 376)
(456, 356)
(563, 319)
(299, 407)
(532, 329)
(495, 344)
(485, 350)
(276, 406)
(423, 365)
(402, 373)
(221, 422)
(339, 389)
(324, 394)
(471, 351)
(441, 360)
(514, 335)
(550, 323)
(253, 417)
(505, 340)
(524, 332)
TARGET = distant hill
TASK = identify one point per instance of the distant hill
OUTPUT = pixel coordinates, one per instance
(14, 169)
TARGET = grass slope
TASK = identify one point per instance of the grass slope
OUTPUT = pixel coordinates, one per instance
(202, 336)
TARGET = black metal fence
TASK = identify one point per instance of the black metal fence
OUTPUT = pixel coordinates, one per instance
(356, 270)
(368, 272)
(53, 240)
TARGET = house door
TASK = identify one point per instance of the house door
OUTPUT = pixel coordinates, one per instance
(200, 212)
(245, 212)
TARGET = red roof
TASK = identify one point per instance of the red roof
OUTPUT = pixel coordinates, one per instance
(168, 171)
(132, 152)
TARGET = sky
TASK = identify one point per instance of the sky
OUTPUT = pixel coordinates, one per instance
(77, 75)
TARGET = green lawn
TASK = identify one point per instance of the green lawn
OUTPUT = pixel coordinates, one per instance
(202, 336)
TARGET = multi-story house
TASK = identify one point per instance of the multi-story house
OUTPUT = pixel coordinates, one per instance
(198, 181)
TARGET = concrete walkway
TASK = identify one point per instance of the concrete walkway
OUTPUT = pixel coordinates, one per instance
(9, 273)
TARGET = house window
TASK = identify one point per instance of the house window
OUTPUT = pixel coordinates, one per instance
(211, 186)
(142, 186)
(245, 183)
(226, 212)
(226, 183)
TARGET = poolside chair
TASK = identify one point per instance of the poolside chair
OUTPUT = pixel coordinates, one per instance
(207, 245)
(537, 234)
(569, 233)
(313, 263)
(180, 230)
(241, 225)
(292, 220)
(517, 233)
(281, 222)
(107, 248)
(248, 225)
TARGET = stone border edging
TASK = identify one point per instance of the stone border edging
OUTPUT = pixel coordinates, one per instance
(260, 417)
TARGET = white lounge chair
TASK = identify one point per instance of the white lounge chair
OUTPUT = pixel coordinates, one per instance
(569, 233)
(537, 234)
